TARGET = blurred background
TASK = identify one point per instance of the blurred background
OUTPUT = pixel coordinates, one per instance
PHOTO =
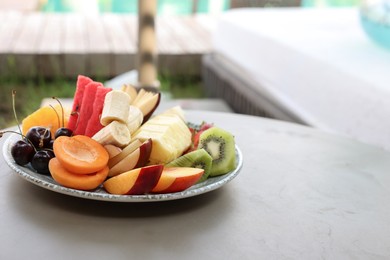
(45, 44)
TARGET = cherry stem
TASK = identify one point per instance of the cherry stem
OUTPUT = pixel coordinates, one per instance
(62, 110)
(58, 116)
(42, 137)
(14, 109)
(14, 132)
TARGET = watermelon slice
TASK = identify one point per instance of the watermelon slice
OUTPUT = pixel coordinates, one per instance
(87, 107)
(82, 81)
(94, 124)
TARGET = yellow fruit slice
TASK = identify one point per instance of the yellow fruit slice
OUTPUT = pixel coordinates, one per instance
(170, 136)
(46, 117)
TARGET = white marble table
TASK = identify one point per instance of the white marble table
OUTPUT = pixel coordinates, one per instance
(301, 194)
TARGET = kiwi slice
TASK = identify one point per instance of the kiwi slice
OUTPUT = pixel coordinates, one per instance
(220, 144)
(195, 159)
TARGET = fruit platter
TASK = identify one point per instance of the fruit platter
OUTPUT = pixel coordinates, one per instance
(111, 146)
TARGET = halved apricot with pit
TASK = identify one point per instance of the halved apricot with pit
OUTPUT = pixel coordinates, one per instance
(80, 154)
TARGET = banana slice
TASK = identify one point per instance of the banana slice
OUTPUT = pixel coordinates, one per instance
(115, 133)
(116, 107)
(135, 119)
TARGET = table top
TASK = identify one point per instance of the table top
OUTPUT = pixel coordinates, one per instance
(301, 194)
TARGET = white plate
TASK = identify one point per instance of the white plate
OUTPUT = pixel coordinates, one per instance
(47, 182)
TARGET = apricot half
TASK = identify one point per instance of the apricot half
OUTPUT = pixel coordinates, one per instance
(74, 180)
(80, 154)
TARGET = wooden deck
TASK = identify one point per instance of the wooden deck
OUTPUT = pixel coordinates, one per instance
(50, 45)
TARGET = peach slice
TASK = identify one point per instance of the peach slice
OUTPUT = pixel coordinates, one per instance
(176, 179)
(135, 182)
(138, 158)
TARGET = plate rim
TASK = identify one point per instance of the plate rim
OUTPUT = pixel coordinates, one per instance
(29, 175)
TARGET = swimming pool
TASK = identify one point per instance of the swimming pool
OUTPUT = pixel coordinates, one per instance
(182, 7)
(131, 6)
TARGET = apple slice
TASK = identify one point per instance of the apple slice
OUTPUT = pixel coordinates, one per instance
(138, 158)
(135, 182)
(124, 153)
(150, 105)
(141, 92)
(130, 90)
(112, 150)
(147, 102)
(176, 179)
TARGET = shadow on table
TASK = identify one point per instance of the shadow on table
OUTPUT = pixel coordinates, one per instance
(56, 201)
(125, 227)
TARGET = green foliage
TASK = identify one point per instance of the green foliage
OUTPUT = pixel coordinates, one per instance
(29, 94)
(182, 86)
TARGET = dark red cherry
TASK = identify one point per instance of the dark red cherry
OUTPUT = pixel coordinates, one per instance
(22, 152)
(63, 131)
(39, 136)
(50, 147)
(40, 161)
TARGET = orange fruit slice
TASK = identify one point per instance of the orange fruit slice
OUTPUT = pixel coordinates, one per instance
(46, 117)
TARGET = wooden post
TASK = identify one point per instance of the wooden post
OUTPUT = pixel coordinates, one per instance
(194, 6)
(147, 44)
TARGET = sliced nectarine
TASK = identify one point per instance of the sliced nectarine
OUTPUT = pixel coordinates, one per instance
(74, 180)
(147, 102)
(175, 179)
(112, 150)
(136, 159)
(124, 153)
(135, 182)
(80, 154)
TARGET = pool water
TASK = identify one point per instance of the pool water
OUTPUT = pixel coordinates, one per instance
(181, 7)
(330, 3)
(375, 19)
(131, 6)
